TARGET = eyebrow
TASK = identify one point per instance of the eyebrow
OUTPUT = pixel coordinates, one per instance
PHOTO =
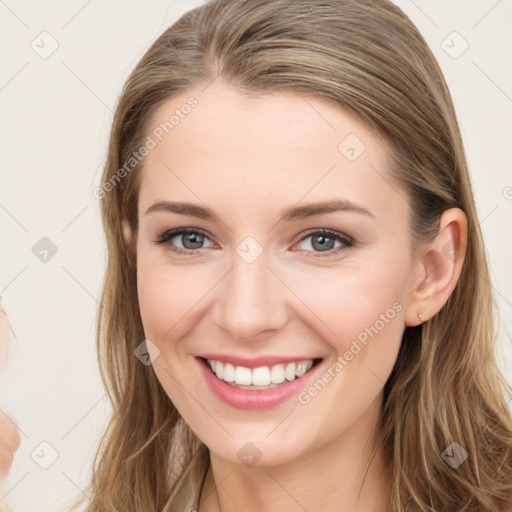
(290, 214)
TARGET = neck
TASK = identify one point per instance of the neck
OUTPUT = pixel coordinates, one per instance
(346, 474)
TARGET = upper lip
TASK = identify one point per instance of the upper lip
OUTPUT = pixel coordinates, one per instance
(255, 362)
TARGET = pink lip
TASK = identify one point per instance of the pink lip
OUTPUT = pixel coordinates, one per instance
(254, 362)
(254, 399)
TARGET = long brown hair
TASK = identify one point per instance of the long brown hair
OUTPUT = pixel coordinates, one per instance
(367, 57)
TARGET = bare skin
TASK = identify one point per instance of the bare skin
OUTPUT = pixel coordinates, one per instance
(248, 160)
(10, 439)
(9, 443)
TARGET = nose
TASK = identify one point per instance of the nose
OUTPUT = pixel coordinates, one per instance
(251, 303)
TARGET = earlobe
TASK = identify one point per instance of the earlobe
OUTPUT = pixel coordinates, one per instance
(441, 265)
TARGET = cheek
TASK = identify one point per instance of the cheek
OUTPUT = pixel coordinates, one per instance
(360, 312)
(346, 303)
(170, 296)
(156, 301)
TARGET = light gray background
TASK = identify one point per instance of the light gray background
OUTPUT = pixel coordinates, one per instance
(55, 114)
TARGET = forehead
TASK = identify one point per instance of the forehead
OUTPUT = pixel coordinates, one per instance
(218, 144)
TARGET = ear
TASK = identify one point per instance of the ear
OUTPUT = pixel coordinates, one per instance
(129, 239)
(439, 268)
(127, 231)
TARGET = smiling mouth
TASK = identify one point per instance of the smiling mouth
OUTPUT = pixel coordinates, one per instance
(263, 377)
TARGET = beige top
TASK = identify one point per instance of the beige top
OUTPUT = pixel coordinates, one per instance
(186, 496)
(187, 488)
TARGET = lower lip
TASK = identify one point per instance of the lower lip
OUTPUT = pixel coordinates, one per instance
(254, 399)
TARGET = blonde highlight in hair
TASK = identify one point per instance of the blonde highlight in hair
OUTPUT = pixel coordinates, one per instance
(369, 59)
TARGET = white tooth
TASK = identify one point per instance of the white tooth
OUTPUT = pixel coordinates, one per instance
(277, 374)
(219, 369)
(243, 375)
(261, 376)
(289, 373)
(301, 369)
(229, 373)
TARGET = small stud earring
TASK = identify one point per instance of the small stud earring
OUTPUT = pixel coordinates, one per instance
(420, 316)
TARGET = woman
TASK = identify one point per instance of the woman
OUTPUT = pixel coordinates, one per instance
(293, 244)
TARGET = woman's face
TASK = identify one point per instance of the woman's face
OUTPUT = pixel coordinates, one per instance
(257, 283)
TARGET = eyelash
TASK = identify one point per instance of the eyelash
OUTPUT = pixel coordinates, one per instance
(164, 237)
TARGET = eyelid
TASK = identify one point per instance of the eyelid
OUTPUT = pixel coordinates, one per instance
(164, 236)
(347, 242)
(327, 231)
